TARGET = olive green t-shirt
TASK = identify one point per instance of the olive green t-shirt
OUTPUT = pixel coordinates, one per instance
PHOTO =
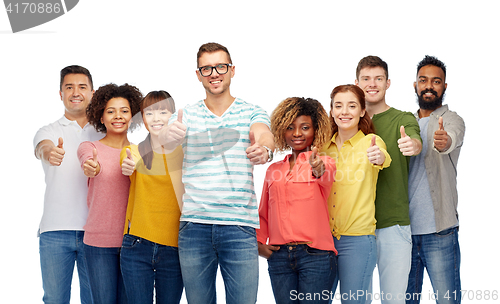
(391, 202)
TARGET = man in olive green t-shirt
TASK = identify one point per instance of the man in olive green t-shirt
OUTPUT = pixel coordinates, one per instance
(401, 133)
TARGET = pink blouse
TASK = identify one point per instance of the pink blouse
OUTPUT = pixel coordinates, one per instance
(293, 206)
(107, 197)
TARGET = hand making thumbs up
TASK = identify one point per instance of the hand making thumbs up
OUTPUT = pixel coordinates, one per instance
(91, 166)
(128, 164)
(406, 145)
(317, 165)
(56, 154)
(375, 156)
(173, 135)
(256, 153)
(442, 141)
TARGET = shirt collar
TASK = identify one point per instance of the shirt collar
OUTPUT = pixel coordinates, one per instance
(352, 141)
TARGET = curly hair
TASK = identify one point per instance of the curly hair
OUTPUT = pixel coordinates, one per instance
(291, 108)
(365, 123)
(95, 109)
(431, 60)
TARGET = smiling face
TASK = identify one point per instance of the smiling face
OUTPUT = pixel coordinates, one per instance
(300, 134)
(430, 87)
(347, 111)
(76, 93)
(155, 119)
(373, 81)
(117, 115)
(215, 84)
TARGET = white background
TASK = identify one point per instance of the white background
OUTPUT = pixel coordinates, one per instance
(280, 49)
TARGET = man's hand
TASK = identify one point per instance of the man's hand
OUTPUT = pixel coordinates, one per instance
(266, 250)
(128, 164)
(257, 154)
(442, 141)
(406, 145)
(55, 154)
(173, 135)
(91, 166)
(317, 165)
(375, 156)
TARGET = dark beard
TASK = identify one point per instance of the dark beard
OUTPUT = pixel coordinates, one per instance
(429, 105)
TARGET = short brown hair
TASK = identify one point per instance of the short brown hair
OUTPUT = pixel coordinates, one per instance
(372, 62)
(365, 124)
(212, 47)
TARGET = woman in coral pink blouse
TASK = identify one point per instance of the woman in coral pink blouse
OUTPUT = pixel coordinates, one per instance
(294, 234)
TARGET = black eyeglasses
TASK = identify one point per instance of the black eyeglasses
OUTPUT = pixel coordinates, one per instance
(221, 68)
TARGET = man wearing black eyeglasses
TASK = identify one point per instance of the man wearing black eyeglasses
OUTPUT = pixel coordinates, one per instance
(223, 138)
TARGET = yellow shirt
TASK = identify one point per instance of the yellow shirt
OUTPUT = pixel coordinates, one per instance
(351, 203)
(155, 197)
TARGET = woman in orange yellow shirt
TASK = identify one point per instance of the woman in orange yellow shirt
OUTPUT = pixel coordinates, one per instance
(359, 156)
(294, 232)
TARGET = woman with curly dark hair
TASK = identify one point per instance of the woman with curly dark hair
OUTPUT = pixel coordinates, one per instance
(149, 257)
(110, 111)
(294, 234)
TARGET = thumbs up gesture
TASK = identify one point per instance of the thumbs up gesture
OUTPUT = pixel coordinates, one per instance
(406, 145)
(174, 134)
(56, 154)
(128, 164)
(91, 166)
(257, 154)
(317, 165)
(442, 141)
(375, 156)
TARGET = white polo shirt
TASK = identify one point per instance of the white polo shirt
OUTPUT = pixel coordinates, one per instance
(65, 202)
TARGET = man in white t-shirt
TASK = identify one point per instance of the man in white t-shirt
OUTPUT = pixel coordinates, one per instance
(223, 137)
(65, 203)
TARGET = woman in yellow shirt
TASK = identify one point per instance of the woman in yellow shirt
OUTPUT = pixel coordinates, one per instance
(359, 156)
(149, 255)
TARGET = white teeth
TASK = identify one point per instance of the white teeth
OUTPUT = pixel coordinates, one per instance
(215, 82)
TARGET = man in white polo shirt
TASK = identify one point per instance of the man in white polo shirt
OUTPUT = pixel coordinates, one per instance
(65, 203)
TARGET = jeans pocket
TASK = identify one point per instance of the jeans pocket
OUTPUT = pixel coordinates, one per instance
(405, 232)
(183, 225)
(314, 251)
(446, 232)
(129, 241)
(249, 230)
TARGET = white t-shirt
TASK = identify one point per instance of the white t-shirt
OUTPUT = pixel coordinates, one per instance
(65, 202)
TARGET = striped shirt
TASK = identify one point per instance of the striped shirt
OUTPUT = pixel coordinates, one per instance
(217, 175)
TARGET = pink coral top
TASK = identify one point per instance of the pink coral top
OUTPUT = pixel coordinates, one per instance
(293, 206)
(107, 196)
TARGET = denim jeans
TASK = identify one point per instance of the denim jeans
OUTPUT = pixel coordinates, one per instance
(58, 252)
(394, 261)
(148, 266)
(440, 254)
(203, 247)
(105, 277)
(301, 274)
(355, 264)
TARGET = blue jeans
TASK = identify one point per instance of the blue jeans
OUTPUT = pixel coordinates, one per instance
(147, 266)
(394, 261)
(58, 252)
(301, 274)
(440, 254)
(355, 264)
(105, 277)
(203, 247)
